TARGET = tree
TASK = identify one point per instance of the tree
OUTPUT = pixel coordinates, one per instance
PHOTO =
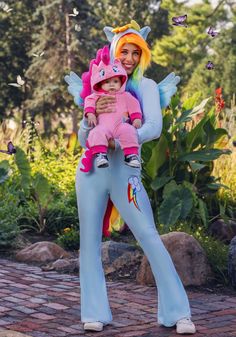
(185, 48)
(15, 42)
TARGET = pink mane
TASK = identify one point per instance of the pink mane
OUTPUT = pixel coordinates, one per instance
(102, 55)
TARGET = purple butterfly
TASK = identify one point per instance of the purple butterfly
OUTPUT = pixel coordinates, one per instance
(179, 21)
(210, 65)
(212, 32)
(10, 149)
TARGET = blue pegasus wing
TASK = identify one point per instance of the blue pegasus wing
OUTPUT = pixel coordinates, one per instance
(75, 87)
(167, 88)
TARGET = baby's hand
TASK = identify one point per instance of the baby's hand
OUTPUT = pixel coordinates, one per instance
(137, 123)
(92, 119)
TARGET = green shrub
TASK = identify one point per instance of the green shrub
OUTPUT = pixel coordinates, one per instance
(69, 238)
(10, 213)
(179, 166)
(44, 185)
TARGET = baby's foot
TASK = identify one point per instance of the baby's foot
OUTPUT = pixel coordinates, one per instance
(102, 160)
(132, 160)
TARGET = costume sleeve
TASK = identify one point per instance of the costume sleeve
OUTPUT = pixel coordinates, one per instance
(83, 132)
(134, 108)
(90, 104)
(152, 116)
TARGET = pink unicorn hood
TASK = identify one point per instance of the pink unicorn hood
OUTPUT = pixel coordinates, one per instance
(104, 71)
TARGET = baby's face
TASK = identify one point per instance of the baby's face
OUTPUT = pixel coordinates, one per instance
(111, 84)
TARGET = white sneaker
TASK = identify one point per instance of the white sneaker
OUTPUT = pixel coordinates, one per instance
(185, 325)
(102, 160)
(93, 326)
(132, 160)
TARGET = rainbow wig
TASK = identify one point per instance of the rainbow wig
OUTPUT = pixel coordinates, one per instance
(145, 58)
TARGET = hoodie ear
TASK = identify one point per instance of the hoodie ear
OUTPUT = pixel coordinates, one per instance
(94, 68)
(117, 61)
(145, 31)
(108, 31)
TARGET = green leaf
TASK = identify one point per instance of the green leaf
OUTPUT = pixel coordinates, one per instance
(190, 102)
(187, 201)
(170, 209)
(196, 166)
(196, 136)
(160, 182)
(4, 164)
(42, 189)
(158, 157)
(169, 188)
(189, 113)
(3, 175)
(24, 167)
(213, 135)
(202, 208)
(204, 155)
(216, 186)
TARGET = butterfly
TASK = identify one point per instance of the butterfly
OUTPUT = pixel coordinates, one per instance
(38, 55)
(19, 82)
(5, 7)
(210, 65)
(75, 12)
(77, 28)
(179, 21)
(10, 149)
(212, 32)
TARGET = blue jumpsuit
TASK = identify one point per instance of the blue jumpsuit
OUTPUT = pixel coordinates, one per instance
(123, 185)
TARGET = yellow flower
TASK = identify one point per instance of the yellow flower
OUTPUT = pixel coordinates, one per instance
(66, 230)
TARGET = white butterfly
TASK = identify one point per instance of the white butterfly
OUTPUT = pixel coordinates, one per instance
(5, 7)
(38, 55)
(77, 28)
(75, 12)
(19, 82)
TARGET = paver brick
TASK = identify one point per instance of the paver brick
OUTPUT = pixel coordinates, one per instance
(47, 304)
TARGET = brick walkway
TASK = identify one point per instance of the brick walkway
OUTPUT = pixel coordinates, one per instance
(46, 304)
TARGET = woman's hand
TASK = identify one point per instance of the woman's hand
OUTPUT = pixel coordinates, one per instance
(105, 104)
(137, 123)
(92, 119)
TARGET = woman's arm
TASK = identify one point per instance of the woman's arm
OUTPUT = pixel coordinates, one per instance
(152, 115)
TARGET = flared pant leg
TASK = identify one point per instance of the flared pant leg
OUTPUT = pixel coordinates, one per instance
(92, 197)
(131, 199)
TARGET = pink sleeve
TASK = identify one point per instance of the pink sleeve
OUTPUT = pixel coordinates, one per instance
(90, 104)
(134, 109)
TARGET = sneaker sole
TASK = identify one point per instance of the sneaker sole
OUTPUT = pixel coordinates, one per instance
(133, 165)
(92, 328)
(103, 165)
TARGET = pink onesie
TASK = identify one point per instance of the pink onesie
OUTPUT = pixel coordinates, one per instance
(112, 125)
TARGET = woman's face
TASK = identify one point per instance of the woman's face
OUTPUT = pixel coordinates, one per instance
(130, 56)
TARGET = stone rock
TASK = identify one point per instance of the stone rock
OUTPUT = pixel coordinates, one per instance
(188, 257)
(223, 231)
(232, 262)
(118, 255)
(9, 333)
(43, 251)
(63, 265)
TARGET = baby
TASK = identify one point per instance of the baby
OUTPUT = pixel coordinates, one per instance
(110, 79)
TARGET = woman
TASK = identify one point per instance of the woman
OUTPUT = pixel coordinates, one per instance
(117, 181)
